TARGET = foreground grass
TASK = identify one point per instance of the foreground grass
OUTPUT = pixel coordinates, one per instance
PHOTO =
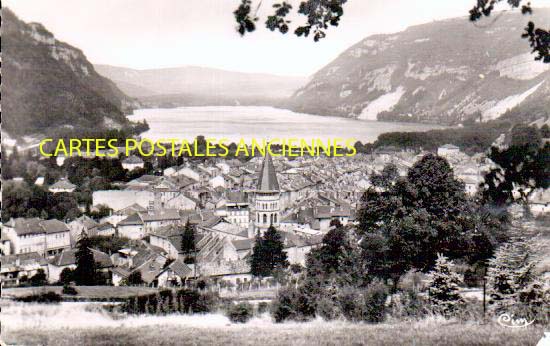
(311, 333)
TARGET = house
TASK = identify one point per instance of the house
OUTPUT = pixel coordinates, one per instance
(448, 150)
(18, 268)
(46, 237)
(175, 274)
(104, 229)
(138, 225)
(237, 209)
(187, 172)
(324, 215)
(63, 185)
(5, 244)
(150, 269)
(226, 273)
(220, 226)
(217, 181)
(67, 259)
(168, 238)
(156, 218)
(121, 199)
(79, 225)
(123, 213)
(132, 162)
(239, 248)
(297, 247)
(132, 227)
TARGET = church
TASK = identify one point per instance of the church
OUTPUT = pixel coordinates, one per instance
(266, 198)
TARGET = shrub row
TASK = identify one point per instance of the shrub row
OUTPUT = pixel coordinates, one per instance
(168, 301)
(49, 297)
(352, 303)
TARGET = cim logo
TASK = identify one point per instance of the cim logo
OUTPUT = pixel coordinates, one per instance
(509, 321)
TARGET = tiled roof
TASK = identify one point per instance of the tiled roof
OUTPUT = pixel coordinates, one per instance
(68, 257)
(24, 226)
(132, 160)
(86, 221)
(24, 259)
(243, 244)
(133, 219)
(159, 215)
(64, 185)
(181, 269)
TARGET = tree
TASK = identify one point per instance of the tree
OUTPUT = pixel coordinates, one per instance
(268, 254)
(510, 272)
(539, 39)
(85, 273)
(333, 248)
(386, 178)
(420, 216)
(188, 239)
(521, 168)
(321, 14)
(66, 276)
(443, 291)
(135, 278)
(38, 279)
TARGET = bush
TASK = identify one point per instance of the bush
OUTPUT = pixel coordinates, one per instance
(38, 279)
(263, 307)
(166, 301)
(408, 304)
(376, 295)
(293, 304)
(240, 313)
(328, 308)
(49, 297)
(66, 276)
(69, 290)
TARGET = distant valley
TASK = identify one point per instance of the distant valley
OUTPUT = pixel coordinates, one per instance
(201, 86)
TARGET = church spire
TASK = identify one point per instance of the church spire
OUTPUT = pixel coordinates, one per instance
(268, 177)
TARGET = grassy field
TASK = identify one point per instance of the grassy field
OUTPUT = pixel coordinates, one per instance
(87, 324)
(311, 333)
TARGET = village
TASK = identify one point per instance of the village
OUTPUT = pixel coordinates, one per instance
(227, 203)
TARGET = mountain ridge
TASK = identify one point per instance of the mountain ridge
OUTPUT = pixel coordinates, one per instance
(49, 84)
(446, 72)
(197, 84)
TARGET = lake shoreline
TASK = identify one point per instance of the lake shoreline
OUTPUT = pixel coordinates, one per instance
(247, 122)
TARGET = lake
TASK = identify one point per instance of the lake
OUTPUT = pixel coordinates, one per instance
(236, 122)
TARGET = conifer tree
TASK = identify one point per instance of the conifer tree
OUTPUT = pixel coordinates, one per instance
(188, 239)
(443, 291)
(85, 272)
(257, 263)
(268, 254)
(510, 275)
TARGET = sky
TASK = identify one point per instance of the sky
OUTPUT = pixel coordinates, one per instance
(145, 34)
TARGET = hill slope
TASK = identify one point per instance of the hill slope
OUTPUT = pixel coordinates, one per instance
(192, 85)
(49, 84)
(443, 72)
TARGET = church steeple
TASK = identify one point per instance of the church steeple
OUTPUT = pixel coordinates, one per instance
(267, 198)
(267, 181)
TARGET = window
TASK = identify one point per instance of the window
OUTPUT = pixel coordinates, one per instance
(271, 218)
(275, 218)
(265, 218)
